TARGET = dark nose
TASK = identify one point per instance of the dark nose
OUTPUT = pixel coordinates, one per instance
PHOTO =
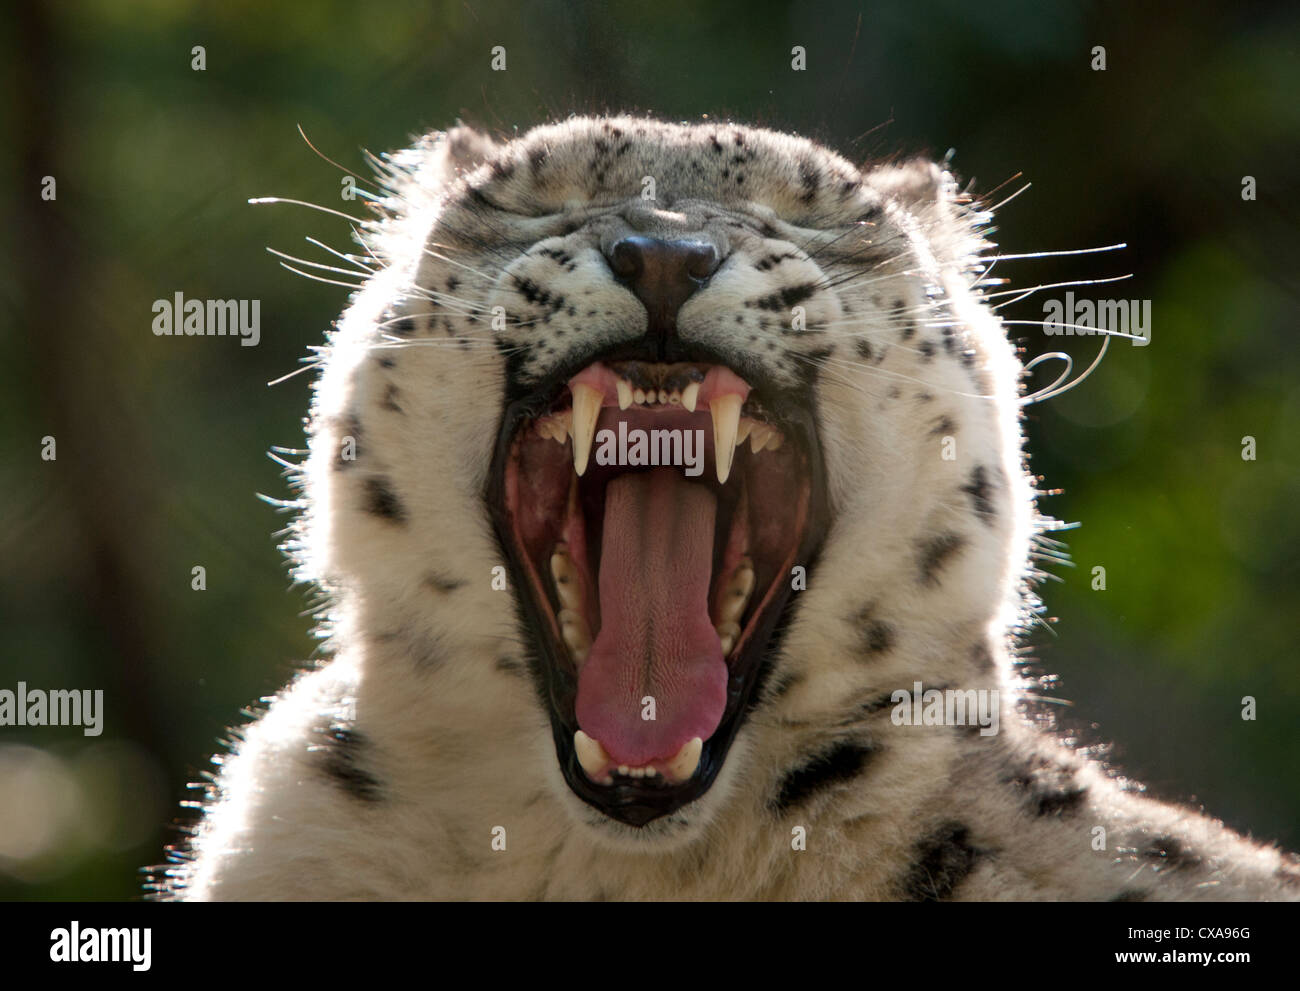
(663, 275)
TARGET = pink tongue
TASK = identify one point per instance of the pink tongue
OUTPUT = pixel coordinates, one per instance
(656, 638)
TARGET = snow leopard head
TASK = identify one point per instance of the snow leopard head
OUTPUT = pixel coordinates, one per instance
(828, 503)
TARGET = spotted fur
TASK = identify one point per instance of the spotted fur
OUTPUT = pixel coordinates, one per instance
(396, 769)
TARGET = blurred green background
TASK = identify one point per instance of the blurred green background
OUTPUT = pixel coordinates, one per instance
(162, 441)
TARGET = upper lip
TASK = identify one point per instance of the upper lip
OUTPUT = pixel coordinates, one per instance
(641, 800)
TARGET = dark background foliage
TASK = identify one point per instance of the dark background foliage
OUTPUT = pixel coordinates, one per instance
(161, 441)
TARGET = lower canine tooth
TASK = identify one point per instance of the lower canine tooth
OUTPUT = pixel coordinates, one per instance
(591, 755)
(687, 760)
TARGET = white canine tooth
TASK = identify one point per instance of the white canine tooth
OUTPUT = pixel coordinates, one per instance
(728, 634)
(687, 760)
(736, 596)
(746, 425)
(566, 579)
(586, 410)
(591, 755)
(624, 394)
(639, 396)
(690, 396)
(759, 437)
(726, 422)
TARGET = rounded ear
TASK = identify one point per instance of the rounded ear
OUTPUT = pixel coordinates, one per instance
(912, 183)
(467, 148)
(427, 169)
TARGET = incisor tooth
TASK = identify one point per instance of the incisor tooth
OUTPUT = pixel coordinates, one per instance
(639, 396)
(586, 410)
(591, 755)
(727, 633)
(687, 760)
(624, 394)
(690, 396)
(726, 422)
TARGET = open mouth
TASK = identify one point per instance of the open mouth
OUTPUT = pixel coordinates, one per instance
(652, 514)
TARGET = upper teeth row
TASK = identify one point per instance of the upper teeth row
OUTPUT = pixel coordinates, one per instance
(730, 430)
(629, 394)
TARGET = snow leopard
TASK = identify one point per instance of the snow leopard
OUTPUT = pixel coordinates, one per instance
(562, 664)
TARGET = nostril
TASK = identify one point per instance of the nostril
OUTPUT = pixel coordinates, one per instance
(626, 259)
(702, 261)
